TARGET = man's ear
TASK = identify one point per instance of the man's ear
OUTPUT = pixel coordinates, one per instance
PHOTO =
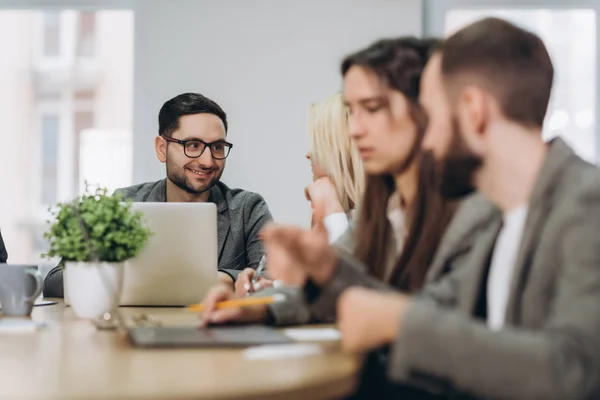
(160, 146)
(473, 115)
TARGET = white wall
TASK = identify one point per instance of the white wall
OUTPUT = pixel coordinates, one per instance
(264, 61)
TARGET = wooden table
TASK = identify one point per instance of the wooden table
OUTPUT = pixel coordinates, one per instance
(71, 359)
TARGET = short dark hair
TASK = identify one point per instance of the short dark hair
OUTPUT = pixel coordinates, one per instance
(512, 63)
(186, 104)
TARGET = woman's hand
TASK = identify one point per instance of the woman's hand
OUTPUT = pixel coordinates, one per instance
(211, 315)
(244, 286)
(322, 191)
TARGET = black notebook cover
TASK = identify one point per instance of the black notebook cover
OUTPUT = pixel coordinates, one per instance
(230, 336)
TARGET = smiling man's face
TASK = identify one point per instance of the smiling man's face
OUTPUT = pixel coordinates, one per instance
(195, 175)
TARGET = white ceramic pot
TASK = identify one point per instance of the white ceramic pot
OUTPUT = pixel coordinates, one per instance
(92, 289)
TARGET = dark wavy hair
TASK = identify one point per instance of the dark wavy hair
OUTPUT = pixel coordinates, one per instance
(398, 64)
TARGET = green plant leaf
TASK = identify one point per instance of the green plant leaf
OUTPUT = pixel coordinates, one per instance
(115, 232)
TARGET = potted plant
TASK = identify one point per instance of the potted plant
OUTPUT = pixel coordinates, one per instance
(94, 235)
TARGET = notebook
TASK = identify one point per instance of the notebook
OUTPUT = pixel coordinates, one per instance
(229, 336)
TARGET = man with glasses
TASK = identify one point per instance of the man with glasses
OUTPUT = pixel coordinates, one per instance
(192, 143)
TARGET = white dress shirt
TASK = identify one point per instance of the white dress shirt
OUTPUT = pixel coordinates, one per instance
(396, 217)
(503, 265)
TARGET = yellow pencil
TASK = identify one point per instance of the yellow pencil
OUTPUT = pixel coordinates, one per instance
(243, 302)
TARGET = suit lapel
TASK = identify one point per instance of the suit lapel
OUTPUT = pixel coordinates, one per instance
(448, 250)
(223, 223)
(461, 233)
(559, 154)
(533, 225)
(479, 261)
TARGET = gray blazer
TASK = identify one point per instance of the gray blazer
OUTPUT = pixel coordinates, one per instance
(473, 213)
(241, 216)
(550, 347)
(3, 252)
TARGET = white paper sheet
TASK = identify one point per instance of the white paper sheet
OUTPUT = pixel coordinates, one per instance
(269, 352)
(15, 325)
(313, 335)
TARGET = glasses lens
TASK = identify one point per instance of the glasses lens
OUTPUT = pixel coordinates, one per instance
(194, 149)
(220, 150)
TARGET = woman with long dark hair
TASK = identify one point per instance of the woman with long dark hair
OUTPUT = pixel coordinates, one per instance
(402, 216)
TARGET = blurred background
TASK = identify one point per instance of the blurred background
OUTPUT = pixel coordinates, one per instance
(81, 84)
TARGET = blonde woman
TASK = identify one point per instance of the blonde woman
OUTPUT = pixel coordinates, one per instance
(338, 175)
(338, 171)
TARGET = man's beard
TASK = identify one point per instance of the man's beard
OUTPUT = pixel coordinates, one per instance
(458, 168)
(178, 177)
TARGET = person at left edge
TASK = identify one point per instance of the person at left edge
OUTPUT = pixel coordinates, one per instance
(192, 143)
(3, 252)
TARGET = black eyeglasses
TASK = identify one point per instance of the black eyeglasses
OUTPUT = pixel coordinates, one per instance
(194, 148)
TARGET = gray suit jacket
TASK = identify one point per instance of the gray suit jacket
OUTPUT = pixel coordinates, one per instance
(3, 252)
(473, 213)
(241, 216)
(550, 347)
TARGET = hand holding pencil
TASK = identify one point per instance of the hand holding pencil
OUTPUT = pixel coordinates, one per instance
(252, 280)
(221, 305)
(239, 303)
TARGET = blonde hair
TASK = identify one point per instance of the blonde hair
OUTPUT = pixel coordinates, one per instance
(333, 151)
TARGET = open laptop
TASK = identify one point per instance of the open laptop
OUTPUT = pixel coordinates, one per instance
(179, 262)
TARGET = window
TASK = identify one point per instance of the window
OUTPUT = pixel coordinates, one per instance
(51, 33)
(569, 28)
(86, 38)
(66, 104)
(49, 159)
(83, 120)
(570, 36)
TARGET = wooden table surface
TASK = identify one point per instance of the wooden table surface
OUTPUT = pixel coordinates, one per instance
(71, 359)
